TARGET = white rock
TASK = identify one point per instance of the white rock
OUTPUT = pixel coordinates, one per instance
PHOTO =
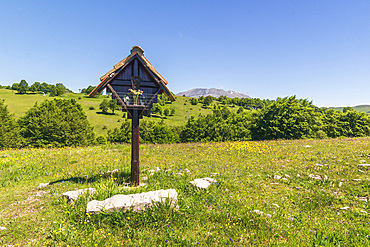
(114, 171)
(362, 199)
(356, 180)
(285, 179)
(344, 208)
(202, 183)
(274, 183)
(257, 212)
(360, 170)
(362, 211)
(291, 219)
(287, 176)
(340, 184)
(73, 195)
(364, 165)
(178, 173)
(320, 164)
(277, 177)
(187, 170)
(317, 177)
(2, 228)
(40, 193)
(133, 202)
(154, 170)
(298, 175)
(307, 146)
(362, 161)
(326, 177)
(276, 205)
(42, 185)
(261, 213)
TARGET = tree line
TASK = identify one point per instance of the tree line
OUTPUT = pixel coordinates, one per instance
(63, 123)
(23, 88)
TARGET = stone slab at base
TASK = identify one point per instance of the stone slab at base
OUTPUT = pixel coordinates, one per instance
(133, 202)
(73, 195)
(202, 183)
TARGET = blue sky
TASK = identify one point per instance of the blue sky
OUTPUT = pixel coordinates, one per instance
(319, 50)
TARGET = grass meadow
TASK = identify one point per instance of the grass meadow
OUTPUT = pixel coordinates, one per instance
(18, 105)
(297, 210)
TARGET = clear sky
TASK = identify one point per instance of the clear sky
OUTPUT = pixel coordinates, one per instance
(319, 50)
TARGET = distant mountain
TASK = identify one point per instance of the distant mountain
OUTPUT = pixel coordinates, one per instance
(197, 92)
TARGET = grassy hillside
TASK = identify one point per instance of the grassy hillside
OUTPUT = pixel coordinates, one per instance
(293, 209)
(363, 108)
(19, 104)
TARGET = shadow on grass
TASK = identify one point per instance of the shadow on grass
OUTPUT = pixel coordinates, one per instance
(120, 178)
(156, 116)
(105, 113)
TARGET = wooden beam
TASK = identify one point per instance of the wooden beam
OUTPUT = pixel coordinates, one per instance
(118, 98)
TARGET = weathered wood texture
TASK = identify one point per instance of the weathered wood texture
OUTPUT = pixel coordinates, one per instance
(134, 73)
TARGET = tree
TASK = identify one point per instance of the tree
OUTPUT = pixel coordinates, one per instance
(9, 135)
(112, 104)
(15, 86)
(156, 109)
(36, 87)
(240, 110)
(61, 89)
(45, 87)
(58, 123)
(172, 111)
(287, 118)
(23, 87)
(193, 101)
(166, 112)
(104, 106)
(87, 90)
(207, 100)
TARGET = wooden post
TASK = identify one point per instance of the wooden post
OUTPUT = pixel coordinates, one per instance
(135, 180)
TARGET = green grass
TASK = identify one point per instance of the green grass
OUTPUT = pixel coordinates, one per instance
(362, 108)
(19, 104)
(308, 211)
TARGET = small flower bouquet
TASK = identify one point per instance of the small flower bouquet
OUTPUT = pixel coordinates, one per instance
(136, 94)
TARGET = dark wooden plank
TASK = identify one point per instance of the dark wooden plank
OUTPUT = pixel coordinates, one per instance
(150, 102)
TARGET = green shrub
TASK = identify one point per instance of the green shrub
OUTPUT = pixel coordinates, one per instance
(287, 118)
(57, 123)
(9, 132)
(150, 132)
(101, 140)
(222, 125)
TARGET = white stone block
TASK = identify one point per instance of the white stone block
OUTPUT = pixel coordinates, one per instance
(317, 177)
(133, 202)
(202, 183)
(364, 165)
(73, 195)
(42, 185)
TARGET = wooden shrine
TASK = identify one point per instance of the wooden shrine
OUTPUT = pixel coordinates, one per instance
(135, 84)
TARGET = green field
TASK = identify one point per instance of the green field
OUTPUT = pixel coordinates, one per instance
(362, 108)
(19, 104)
(297, 210)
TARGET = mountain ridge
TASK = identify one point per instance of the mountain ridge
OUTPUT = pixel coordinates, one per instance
(197, 92)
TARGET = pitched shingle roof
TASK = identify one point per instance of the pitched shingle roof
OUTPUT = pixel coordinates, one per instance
(135, 51)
